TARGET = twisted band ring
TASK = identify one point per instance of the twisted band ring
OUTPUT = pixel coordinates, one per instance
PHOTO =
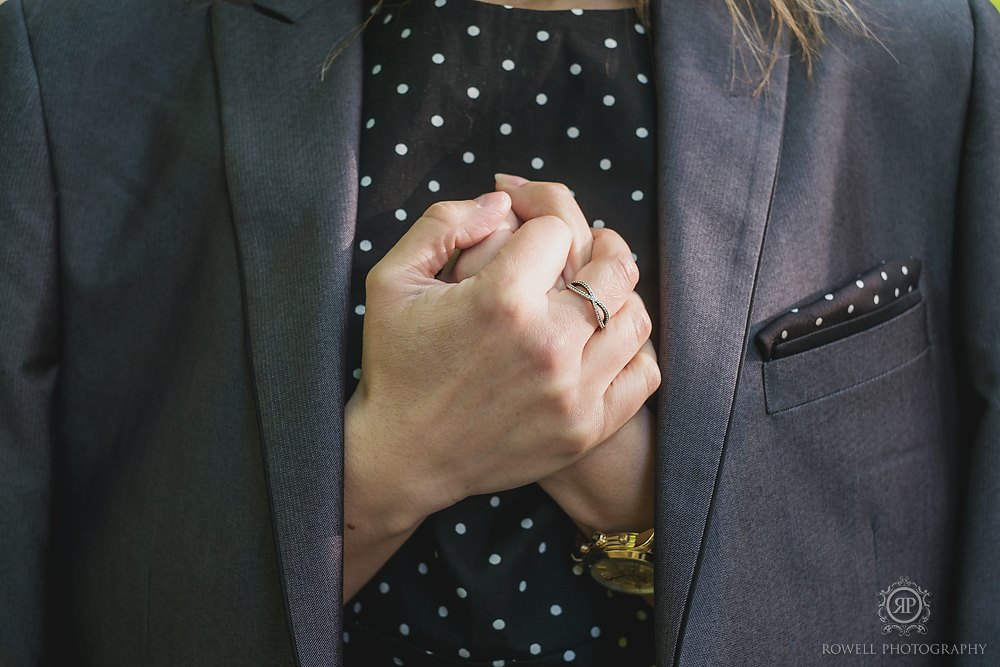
(600, 310)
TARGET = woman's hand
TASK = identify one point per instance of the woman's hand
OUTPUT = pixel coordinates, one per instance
(484, 385)
(611, 488)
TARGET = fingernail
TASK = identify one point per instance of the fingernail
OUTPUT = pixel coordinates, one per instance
(509, 180)
(494, 201)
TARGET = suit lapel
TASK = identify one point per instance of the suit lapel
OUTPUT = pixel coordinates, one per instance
(718, 156)
(290, 145)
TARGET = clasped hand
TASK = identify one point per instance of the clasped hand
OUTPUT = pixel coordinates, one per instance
(499, 378)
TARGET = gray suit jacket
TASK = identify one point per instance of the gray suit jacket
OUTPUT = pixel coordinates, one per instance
(177, 201)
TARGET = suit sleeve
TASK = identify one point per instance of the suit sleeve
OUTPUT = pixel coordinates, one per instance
(29, 342)
(978, 301)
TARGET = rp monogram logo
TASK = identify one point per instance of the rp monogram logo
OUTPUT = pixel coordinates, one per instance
(903, 608)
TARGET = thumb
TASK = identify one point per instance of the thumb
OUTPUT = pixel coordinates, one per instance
(443, 228)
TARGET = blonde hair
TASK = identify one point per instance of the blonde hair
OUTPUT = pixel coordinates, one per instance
(804, 19)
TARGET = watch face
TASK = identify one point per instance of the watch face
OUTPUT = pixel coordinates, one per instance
(624, 575)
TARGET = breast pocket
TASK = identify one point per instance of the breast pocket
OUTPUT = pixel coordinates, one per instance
(844, 363)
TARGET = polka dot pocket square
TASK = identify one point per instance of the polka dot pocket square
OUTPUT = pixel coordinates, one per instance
(872, 297)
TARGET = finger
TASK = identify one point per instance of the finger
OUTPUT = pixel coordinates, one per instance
(607, 353)
(630, 389)
(533, 258)
(446, 226)
(472, 260)
(611, 274)
(531, 199)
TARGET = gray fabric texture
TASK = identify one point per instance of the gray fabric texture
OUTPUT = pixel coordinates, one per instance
(177, 205)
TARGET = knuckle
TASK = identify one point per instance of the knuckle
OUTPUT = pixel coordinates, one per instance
(377, 280)
(625, 269)
(651, 371)
(443, 211)
(641, 319)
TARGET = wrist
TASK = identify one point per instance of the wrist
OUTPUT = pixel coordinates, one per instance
(377, 499)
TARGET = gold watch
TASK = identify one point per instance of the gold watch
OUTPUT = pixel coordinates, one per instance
(621, 561)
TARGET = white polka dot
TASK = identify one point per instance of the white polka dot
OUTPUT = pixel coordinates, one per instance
(569, 656)
(884, 275)
(819, 321)
(422, 568)
(527, 523)
(357, 376)
(347, 637)
(507, 64)
(494, 559)
(609, 100)
(404, 629)
(578, 569)
(896, 292)
(468, 157)
(440, 3)
(576, 12)
(905, 270)
(641, 615)
(370, 123)
(535, 649)
(622, 642)
(366, 181)
(555, 610)
(641, 132)
(499, 624)
(397, 661)
(461, 592)
(537, 163)
(850, 309)
(388, 17)
(605, 164)
(443, 611)
(359, 309)
(610, 42)
(875, 300)
(437, 58)
(437, 120)
(472, 92)
(542, 547)
(473, 30)
(637, 195)
(433, 186)
(598, 223)
(499, 663)
(541, 98)
(784, 335)
(642, 78)
(522, 586)
(794, 310)
(495, 501)
(356, 607)
(909, 288)
(405, 33)
(859, 283)
(400, 214)
(376, 69)
(460, 528)
(640, 28)
(542, 36)
(402, 88)
(383, 587)
(828, 297)
(595, 632)
(463, 653)
(572, 132)
(575, 69)
(505, 129)
(635, 257)
(401, 149)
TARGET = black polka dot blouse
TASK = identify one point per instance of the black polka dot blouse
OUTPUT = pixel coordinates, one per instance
(455, 91)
